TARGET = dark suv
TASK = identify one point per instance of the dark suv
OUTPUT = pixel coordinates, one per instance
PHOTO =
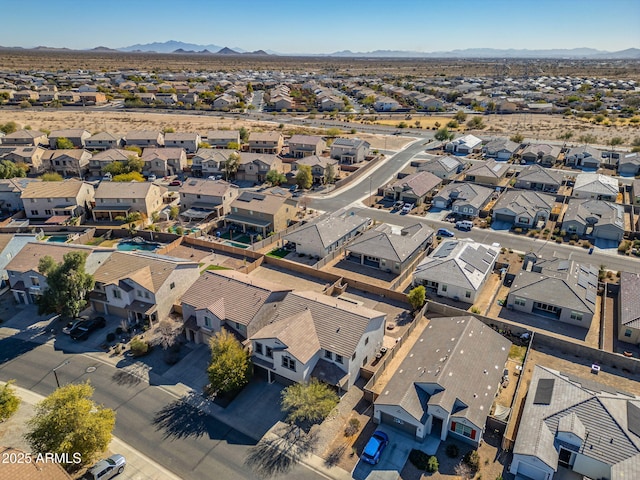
(84, 329)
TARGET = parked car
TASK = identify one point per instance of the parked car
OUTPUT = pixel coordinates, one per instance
(175, 183)
(293, 188)
(152, 178)
(84, 329)
(464, 225)
(445, 232)
(398, 205)
(73, 324)
(407, 207)
(374, 447)
(107, 468)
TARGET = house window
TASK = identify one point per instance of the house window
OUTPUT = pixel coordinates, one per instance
(366, 341)
(35, 281)
(207, 322)
(117, 294)
(34, 212)
(463, 430)
(339, 358)
(444, 288)
(467, 294)
(576, 316)
(269, 352)
(353, 357)
(328, 354)
(288, 362)
(146, 294)
(520, 301)
(139, 292)
(627, 332)
(48, 212)
(258, 348)
(172, 286)
(49, 200)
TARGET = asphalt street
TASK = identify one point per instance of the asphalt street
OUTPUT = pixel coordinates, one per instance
(191, 444)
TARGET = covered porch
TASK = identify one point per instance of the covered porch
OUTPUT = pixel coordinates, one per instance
(247, 224)
(110, 212)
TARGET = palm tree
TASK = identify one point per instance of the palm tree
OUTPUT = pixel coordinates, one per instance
(231, 165)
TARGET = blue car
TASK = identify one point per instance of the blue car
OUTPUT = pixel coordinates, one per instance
(375, 446)
(443, 232)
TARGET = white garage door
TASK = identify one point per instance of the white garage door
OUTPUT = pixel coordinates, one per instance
(531, 472)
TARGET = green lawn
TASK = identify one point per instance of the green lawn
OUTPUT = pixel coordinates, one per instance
(517, 353)
(217, 267)
(278, 253)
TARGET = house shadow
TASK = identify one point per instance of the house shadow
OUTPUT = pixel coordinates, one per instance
(352, 266)
(14, 347)
(551, 324)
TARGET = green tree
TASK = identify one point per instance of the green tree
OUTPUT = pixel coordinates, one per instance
(417, 296)
(67, 285)
(330, 174)
(9, 401)
(129, 177)
(204, 145)
(518, 138)
(249, 87)
(168, 129)
(443, 134)
(453, 124)
(460, 116)
(8, 169)
(69, 422)
(307, 403)
(114, 168)
(476, 123)
(174, 211)
(244, 134)
(303, 178)
(9, 127)
(133, 148)
(333, 132)
(134, 164)
(274, 177)
(231, 165)
(51, 177)
(230, 368)
(64, 143)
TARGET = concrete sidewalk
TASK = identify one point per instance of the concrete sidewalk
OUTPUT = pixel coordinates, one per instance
(139, 466)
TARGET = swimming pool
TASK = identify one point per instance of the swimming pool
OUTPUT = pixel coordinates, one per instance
(58, 238)
(129, 246)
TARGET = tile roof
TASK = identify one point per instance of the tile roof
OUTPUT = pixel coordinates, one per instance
(103, 136)
(259, 202)
(113, 155)
(264, 136)
(630, 299)
(68, 133)
(444, 164)
(168, 153)
(204, 186)
(30, 471)
(20, 134)
(604, 213)
(63, 189)
(267, 158)
(314, 160)
(349, 142)
(326, 230)
(474, 195)
(537, 174)
(420, 183)
(381, 242)
(29, 256)
(462, 358)
(142, 135)
(126, 190)
(297, 332)
(521, 202)
(490, 169)
(187, 136)
(223, 134)
(305, 140)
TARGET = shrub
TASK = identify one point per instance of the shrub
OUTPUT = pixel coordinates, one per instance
(111, 337)
(119, 331)
(432, 464)
(475, 310)
(352, 428)
(9, 401)
(472, 458)
(419, 459)
(138, 347)
(452, 451)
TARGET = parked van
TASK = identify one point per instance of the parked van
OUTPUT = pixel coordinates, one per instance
(464, 225)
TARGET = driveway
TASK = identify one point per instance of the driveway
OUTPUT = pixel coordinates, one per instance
(394, 456)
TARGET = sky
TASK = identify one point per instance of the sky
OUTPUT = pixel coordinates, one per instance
(303, 26)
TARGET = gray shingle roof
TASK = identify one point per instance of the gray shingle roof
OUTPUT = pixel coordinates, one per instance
(462, 358)
(538, 174)
(596, 183)
(420, 183)
(381, 242)
(466, 193)
(630, 299)
(326, 230)
(440, 165)
(525, 202)
(490, 169)
(606, 213)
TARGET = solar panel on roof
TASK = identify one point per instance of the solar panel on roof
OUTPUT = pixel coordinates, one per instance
(544, 391)
(469, 268)
(591, 296)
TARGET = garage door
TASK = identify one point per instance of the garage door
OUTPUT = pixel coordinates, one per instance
(440, 204)
(531, 472)
(397, 423)
(501, 217)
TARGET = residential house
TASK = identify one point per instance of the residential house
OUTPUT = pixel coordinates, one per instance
(444, 167)
(77, 136)
(104, 158)
(188, 141)
(457, 269)
(164, 161)
(282, 102)
(447, 383)
(413, 188)
(326, 234)
(10, 194)
(330, 103)
(388, 249)
(594, 218)
(210, 162)
(26, 137)
(31, 156)
(306, 145)
(542, 153)
(350, 150)
(500, 149)
(262, 212)
(27, 283)
(523, 209)
(144, 139)
(629, 164)
(222, 138)
(103, 141)
(556, 289)
(225, 102)
(535, 177)
(266, 142)
(464, 199)
(579, 426)
(629, 308)
(10, 246)
(320, 167)
(92, 98)
(596, 186)
(430, 103)
(141, 287)
(253, 167)
(167, 98)
(386, 104)
(26, 96)
(316, 336)
(212, 303)
(57, 201)
(119, 199)
(68, 163)
(69, 98)
(635, 192)
(463, 145)
(487, 173)
(200, 198)
(584, 156)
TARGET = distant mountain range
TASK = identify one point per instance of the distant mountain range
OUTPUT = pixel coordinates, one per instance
(177, 47)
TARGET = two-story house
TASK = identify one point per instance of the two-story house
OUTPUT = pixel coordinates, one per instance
(253, 167)
(222, 138)
(320, 167)
(186, 140)
(10, 193)
(104, 158)
(266, 142)
(68, 163)
(64, 200)
(210, 162)
(349, 150)
(29, 155)
(119, 199)
(305, 145)
(201, 197)
(144, 139)
(465, 199)
(103, 141)
(77, 136)
(26, 137)
(413, 188)
(262, 212)
(164, 161)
